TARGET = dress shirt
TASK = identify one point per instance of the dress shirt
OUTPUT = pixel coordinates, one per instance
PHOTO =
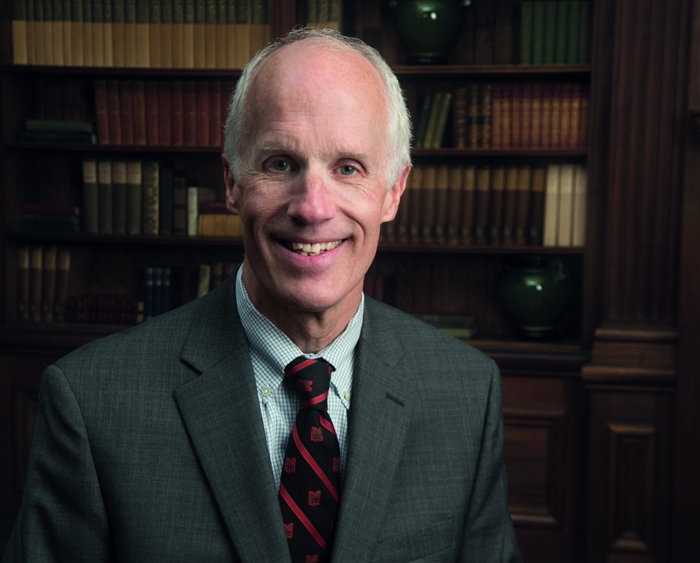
(270, 351)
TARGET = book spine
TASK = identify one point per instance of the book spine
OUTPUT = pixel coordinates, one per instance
(148, 294)
(473, 118)
(166, 34)
(57, 33)
(90, 197)
(454, 204)
(48, 283)
(101, 112)
(113, 111)
(45, 16)
(105, 197)
(536, 117)
(215, 130)
(538, 32)
(126, 122)
(415, 205)
(566, 109)
(526, 32)
(221, 28)
(200, 46)
(578, 236)
(178, 37)
(498, 185)
(88, 25)
(536, 207)
(23, 294)
(584, 33)
(142, 33)
(550, 31)
(119, 194)
(118, 36)
(154, 30)
(497, 116)
(523, 205)
(210, 34)
(419, 141)
(566, 204)
(230, 34)
(108, 38)
(428, 188)
(62, 282)
(257, 25)
(551, 206)
(150, 198)
(179, 206)
(67, 30)
(433, 120)
(468, 205)
(503, 32)
(526, 116)
(562, 26)
(177, 107)
(507, 117)
(547, 93)
(165, 116)
(572, 32)
(19, 32)
(35, 282)
(556, 121)
(485, 91)
(242, 33)
(192, 211)
(202, 113)
(165, 207)
(510, 205)
(134, 196)
(483, 193)
(140, 120)
(459, 118)
(189, 113)
(516, 108)
(130, 39)
(157, 291)
(188, 34)
(98, 32)
(204, 280)
(442, 179)
(152, 129)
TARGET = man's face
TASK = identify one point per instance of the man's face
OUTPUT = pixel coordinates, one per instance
(312, 191)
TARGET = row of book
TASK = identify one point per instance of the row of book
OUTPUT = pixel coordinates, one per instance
(139, 33)
(144, 198)
(546, 116)
(213, 275)
(105, 309)
(555, 31)
(161, 112)
(42, 282)
(500, 206)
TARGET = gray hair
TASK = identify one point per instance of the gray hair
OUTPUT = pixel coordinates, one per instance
(237, 121)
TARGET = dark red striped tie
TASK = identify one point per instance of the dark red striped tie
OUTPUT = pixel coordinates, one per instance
(309, 488)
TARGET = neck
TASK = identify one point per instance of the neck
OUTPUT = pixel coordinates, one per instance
(310, 331)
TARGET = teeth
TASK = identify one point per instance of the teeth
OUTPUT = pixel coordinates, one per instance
(306, 249)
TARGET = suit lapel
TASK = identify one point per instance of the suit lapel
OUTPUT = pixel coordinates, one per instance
(221, 413)
(378, 419)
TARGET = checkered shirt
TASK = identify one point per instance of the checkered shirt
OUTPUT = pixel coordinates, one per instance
(271, 350)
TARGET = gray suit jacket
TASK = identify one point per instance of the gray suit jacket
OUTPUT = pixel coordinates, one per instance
(149, 446)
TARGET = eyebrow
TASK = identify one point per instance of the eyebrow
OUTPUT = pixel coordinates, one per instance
(272, 148)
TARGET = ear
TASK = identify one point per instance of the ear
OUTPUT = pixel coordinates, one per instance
(393, 196)
(232, 191)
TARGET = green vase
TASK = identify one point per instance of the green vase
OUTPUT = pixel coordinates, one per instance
(429, 28)
(535, 290)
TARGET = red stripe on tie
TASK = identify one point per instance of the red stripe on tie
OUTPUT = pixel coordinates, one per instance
(316, 400)
(312, 463)
(327, 425)
(299, 367)
(302, 517)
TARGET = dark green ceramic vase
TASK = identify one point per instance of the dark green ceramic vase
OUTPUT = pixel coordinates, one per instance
(429, 28)
(535, 290)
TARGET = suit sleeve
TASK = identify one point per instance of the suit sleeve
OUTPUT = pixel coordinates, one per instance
(63, 517)
(488, 533)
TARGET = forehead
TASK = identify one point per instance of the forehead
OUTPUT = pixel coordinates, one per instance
(316, 77)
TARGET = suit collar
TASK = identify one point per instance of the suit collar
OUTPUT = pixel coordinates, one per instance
(221, 413)
(382, 401)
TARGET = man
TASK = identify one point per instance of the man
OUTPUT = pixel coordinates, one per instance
(171, 441)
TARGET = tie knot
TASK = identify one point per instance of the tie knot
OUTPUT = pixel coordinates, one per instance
(311, 378)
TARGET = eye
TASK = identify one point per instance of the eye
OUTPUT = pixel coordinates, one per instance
(280, 165)
(347, 170)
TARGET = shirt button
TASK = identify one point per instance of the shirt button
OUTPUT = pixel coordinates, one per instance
(346, 395)
(266, 391)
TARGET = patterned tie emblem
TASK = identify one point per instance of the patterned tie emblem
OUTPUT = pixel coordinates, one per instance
(310, 478)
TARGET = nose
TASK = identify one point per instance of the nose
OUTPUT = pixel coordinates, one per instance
(313, 200)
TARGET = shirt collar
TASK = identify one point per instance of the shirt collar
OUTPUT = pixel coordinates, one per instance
(276, 349)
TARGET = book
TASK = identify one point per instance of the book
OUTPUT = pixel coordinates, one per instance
(113, 111)
(126, 112)
(458, 326)
(516, 116)
(189, 113)
(36, 259)
(484, 32)
(118, 43)
(62, 282)
(526, 32)
(98, 32)
(142, 33)
(572, 32)
(152, 113)
(546, 123)
(88, 25)
(242, 33)
(57, 137)
(221, 47)
(550, 31)
(119, 194)
(202, 109)
(566, 204)
(403, 213)
(192, 211)
(165, 204)
(482, 205)
(90, 196)
(485, 115)
(105, 197)
(454, 204)
(177, 35)
(498, 186)
(57, 30)
(556, 117)
(139, 109)
(433, 119)
(473, 116)
(468, 205)
(77, 48)
(459, 118)
(148, 293)
(48, 283)
(44, 21)
(166, 34)
(199, 33)
(565, 135)
(177, 109)
(536, 207)
(523, 205)
(19, 32)
(526, 116)
(230, 34)
(23, 283)
(535, 136)
(441, 123)
(427, 221)
(423, 122)
(510, 200)
(188, 33)
(130, 39)
(504, 23)
(415, 204)
(215, 129)
(219, 225)
(560, 54)
(101, 112)
(497, 116)
(551, 206)
(134, 191)
(258, 31)
(578, 230)
(538, 32)
(442, 179)
(150, 215)
(179, 205)
(165, 116)
(584, 33)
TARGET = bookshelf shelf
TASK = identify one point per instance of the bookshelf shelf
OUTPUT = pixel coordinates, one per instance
(80, 238)
(31, 146)
(102, 71)
(499, 152)
(564, 72)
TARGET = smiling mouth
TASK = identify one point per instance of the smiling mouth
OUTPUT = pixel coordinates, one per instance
(307, 249)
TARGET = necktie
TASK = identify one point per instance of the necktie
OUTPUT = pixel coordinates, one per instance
(309, 487)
